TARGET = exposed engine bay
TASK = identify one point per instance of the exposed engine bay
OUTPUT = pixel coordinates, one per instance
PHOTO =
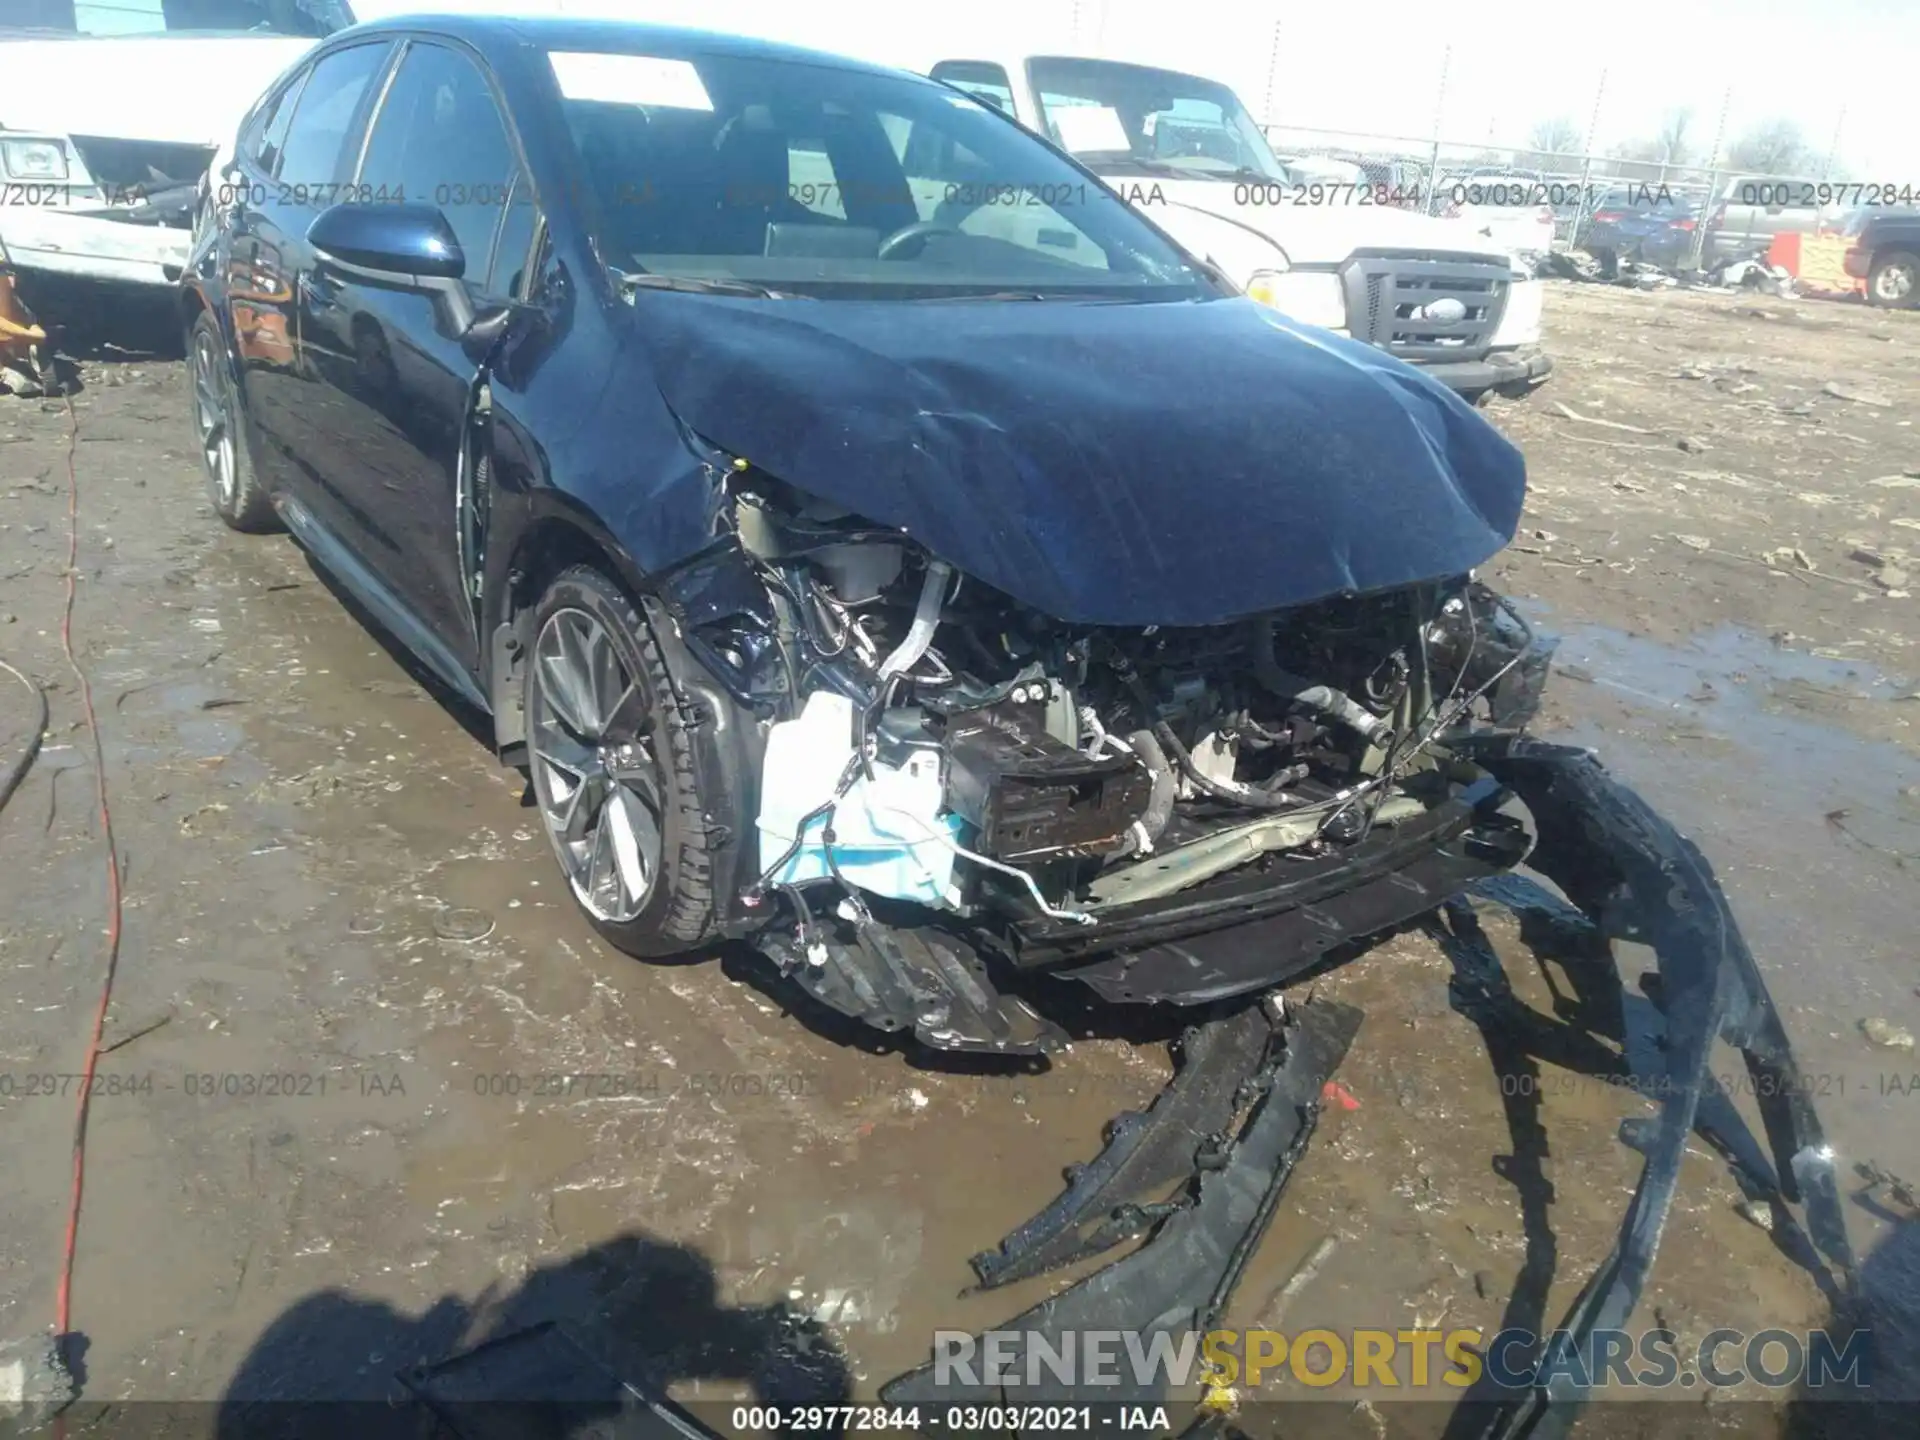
(950, 775)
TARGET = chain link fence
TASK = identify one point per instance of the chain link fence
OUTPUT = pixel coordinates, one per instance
(1712, 211)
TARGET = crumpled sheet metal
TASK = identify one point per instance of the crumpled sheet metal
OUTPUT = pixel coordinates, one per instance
(1640, 880)
(1181, 463)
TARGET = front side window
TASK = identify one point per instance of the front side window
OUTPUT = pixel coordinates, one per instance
(824, 181)
(313, 154)
(1133, 119)
(512, 251)
(439, 140)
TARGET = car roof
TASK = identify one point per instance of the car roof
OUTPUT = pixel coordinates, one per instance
(540, 32)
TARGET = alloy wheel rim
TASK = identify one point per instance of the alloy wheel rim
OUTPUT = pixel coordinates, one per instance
(595, 775)
(1896, 282)
(210, 413)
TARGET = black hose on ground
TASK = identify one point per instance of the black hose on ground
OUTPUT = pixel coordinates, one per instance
(17, 771)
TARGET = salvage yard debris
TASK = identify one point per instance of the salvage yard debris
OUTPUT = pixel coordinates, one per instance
(1886, 1035)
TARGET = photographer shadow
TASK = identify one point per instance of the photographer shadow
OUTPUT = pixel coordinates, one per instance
(646, 1311)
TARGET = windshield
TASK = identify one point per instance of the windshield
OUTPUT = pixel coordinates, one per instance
(305, 19)
(748, 173)
(1114, 117)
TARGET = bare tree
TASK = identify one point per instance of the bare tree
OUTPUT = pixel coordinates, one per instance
(1652, 157)
(1551, 144)
(1672, 140)
(1776, 146)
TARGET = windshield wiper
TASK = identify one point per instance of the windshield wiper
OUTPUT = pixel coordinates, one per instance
(982, 295)
(699, 285)
(1095, 159)
(1224, 171)
(1078, 297)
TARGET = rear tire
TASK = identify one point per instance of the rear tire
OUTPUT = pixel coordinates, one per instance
(233, 484)
(613, 769)
(1893, 282)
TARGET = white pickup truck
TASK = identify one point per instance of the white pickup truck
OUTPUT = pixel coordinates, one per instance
(110, 113)
(1185, 152)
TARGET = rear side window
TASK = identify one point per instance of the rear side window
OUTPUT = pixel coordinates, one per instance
(439, 140)
(312, 154)
(269, 132)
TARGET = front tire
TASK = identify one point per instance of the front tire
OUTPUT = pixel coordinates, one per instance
(613, 769)
(1893, 282)
(233, 485)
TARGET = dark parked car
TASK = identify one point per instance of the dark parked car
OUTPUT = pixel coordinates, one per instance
(1642, 221)
(1886, 254)
(936, 593)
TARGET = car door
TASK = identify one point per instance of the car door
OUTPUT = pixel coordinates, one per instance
(282, 185)
(397, 378)
(249, 267)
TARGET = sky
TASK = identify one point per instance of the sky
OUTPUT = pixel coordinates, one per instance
(1829, 65)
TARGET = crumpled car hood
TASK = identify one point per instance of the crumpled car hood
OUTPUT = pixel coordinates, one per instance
(1181, 463)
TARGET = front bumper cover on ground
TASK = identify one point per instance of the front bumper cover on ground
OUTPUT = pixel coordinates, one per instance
(1181, 1280)
(1635, 878)
(1639, 880)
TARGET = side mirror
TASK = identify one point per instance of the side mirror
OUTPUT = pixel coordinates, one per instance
(407, 247)
(402, 242)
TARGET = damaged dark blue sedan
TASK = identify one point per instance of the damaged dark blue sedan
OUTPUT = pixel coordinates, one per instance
(882, 546)
(878, 542)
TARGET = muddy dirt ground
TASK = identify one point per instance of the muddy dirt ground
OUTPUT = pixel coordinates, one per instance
(345, 1125)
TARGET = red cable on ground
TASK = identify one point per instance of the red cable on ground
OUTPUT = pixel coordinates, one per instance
(64, 1308)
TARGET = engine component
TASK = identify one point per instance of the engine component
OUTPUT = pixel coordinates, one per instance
(859, 572)
(926, 619)
(1030, 796)
(1160, 806)
(1323, 698)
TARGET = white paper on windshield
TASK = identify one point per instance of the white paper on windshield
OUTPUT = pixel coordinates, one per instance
(1088, 127)
(629, 80)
